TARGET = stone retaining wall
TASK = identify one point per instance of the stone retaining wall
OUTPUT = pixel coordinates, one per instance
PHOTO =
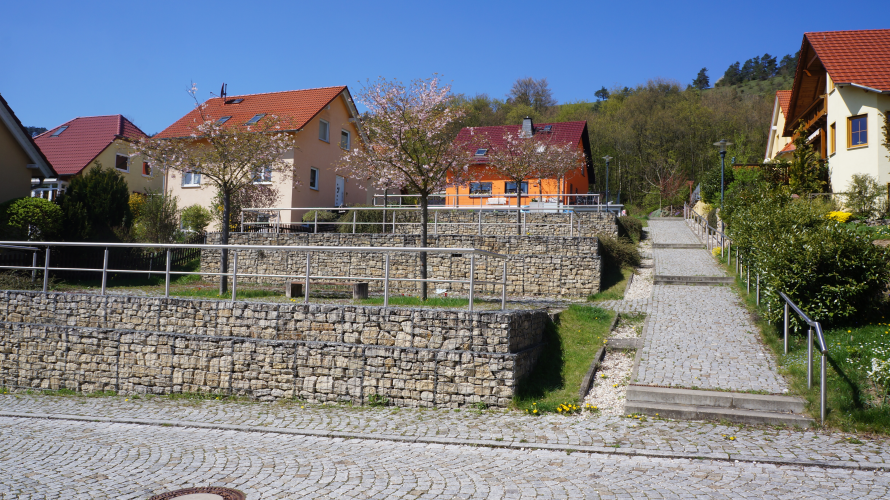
(536, 266)
(496, 223)
(318, 353)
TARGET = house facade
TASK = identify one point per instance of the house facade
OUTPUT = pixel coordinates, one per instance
(324, 124)
(841, 94)
(20, 158)
(488, 188)
(80, 144)
(778, 146)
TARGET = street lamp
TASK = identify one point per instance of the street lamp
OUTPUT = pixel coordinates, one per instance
(722, 143)
(607, 158)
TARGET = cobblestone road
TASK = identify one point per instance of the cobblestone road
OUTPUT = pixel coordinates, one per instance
(698, 336)
(411, 454)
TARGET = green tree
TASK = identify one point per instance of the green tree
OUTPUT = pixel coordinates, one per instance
(195, 218)
(533, 93)
(602, 94)
(94, 204)
(701, 81)
(807, 171)
(158, 220)
(34, 219)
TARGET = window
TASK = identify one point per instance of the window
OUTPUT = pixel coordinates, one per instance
(857, 131)
(61, 129)
(191, 179)
(222, 120)
(146, 169)
(480, 188)
(344, 140)
(510, 187)
(263, 175)
(234, 101)
(313, 178)
(255, 118)
(122, 163)
(481, 152)
(324, 129)
(832, 139)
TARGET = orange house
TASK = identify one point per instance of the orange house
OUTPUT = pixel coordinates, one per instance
(490, 189)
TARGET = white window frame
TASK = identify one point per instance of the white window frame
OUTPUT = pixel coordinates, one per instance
(192, 176)
(315, 171)
(118, 155)
(348, 139)
(327, 131)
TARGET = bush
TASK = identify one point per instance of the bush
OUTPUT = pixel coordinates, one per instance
(195, 218)
(865, 198)
(158, 221)
(323, 216)
(630, 227)
(367, 221)
(34, 219)
(710, 186)
(94, 204)
(620, 252)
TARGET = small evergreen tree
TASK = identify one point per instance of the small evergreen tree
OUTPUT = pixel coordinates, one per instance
(94, 204)
(701, 81)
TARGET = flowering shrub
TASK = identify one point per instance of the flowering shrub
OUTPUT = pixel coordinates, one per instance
(842, 217)
(880, 375)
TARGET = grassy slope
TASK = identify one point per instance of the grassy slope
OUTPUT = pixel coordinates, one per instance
(571, 346)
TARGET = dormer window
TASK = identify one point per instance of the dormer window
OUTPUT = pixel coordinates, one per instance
(235, 101)
(255, 119)
(61, 129)
(223, 120)
(481, 152)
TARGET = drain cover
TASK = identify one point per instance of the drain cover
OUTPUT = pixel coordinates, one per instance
(205, 493)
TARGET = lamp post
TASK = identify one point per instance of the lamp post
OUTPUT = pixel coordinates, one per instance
(722, 143)
(607, 158)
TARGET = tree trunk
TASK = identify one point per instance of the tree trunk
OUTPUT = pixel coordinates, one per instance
(224, 254)
(424, 219)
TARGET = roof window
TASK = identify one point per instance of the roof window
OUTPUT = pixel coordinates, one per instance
(222, 120)
(255, 119)
(548, 128)
(481, 152)
(61, 129)
(234, 101)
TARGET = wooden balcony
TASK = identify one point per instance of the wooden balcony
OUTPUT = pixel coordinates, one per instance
(814, 117)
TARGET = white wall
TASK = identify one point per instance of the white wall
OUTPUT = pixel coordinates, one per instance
(844, 102)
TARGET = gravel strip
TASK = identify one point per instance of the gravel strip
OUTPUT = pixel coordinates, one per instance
(641, 286)
(610, 387)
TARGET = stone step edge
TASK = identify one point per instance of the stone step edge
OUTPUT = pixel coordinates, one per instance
(703, 279)
(679, 246)
(693, 412)
(716, 399)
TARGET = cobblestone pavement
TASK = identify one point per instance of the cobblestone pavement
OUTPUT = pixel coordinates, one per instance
(698, 336)
(271, 450)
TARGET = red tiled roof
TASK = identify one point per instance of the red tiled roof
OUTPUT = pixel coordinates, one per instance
(784, 97)
(83, 140)
(561, 133)
(861, 57)
(789, 147)
(297, 107)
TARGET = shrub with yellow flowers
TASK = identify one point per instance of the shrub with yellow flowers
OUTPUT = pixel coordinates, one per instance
(841, 217)
(568, 409)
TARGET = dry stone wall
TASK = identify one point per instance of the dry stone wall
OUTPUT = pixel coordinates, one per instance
(503, 223)
(317, 353)
(536, 266)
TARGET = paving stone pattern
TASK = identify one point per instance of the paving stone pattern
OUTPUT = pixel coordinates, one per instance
(475, 454)
(698, 336)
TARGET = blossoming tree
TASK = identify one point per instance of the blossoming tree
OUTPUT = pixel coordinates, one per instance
(518, 158)
(410, 130)
(230, 156)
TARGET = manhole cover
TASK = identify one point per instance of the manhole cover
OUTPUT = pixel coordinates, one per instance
(205, 493)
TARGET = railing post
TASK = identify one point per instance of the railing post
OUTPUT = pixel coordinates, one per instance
(786, 327)
(748, 277)
(167, 274)
(306, 280)
(480, 221)
(34, 266)
(104, 270)
(472, 278)
(242, 221)
(354, 216)
(504, 287)
(386, 280)
(316, 222)
(46, 271)
(823, 403)
(394, 220)
(758, 289)
(436, 223)
(234, 274)
(810, 358)
(572, 224)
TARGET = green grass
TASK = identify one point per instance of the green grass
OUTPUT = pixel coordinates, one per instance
(853, 404)
(571, 346)
(613, 283)
(128, 280)
(400, 300)
(213, 293)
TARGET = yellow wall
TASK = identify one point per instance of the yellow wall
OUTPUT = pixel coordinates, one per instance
(778, 142)
(15, 177)
(844, 102)
(135, 180)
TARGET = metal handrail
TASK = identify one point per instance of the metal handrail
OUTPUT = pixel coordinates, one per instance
(307, 276)
(558, 198)
(814, 325)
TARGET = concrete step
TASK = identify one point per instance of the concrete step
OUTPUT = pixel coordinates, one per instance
(682, 246)
(692, 412)
(720, 399)
(661, 279)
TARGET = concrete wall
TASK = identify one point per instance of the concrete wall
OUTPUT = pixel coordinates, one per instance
(316, 353)
(536, 266)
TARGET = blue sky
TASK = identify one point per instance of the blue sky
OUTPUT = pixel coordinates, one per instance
(66, 59)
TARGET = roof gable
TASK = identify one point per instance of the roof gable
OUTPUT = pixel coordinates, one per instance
(855, 57)
(26, 142)
(83, 139)
(784, 98)
(297, 107)
(560, 133)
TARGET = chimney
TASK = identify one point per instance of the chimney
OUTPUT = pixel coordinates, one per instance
(528, 128)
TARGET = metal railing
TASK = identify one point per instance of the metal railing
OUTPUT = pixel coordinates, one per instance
(713, 236)
(487, 198)
(389, 224)
(233, 274)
